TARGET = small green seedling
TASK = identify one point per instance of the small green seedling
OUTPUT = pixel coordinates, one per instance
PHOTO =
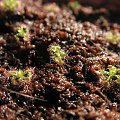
(113, 38)
(112, 72)
(10, 4)
(22, 32)
(74, 5)
(24, 75)
(58, 55)
(51, 7)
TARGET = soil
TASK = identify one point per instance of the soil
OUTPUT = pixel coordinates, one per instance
(74, 90)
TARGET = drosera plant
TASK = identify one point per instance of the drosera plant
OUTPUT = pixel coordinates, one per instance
(22, 32)
(110, 73)
(20, 75)
(112, 37)
(22, 37)
(10, 5)
(74, 5)
(57, 54)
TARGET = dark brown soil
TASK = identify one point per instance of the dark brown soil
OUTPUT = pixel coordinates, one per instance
(71, 91)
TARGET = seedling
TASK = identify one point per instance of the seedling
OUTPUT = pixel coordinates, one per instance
(24, 75)
(22, 32)
(74, 5)
(10, 5)
(51, 7)
(110, 73)
(58, 55)
(112, 37)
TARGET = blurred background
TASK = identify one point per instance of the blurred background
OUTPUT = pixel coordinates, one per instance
(112, 5)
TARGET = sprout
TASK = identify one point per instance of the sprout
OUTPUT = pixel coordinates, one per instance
(51, 7)
(58, 55)
(22, 32)
(10, 4)
(20, 75)
(74, 5)
(112, 72)
(112, 37)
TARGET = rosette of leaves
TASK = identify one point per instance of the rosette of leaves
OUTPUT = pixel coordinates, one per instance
(23, 75)
(57, 54)
(112, 73)
(22, 32)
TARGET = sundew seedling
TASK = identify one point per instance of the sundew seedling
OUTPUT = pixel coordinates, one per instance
(10, 4)
(51, 7)
(112, 37)
(22, 32)
(57, 54)
(24, 75)
(74, 5)
(110, 73)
